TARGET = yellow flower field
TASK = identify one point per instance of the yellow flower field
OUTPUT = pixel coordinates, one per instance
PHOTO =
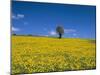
(45, 54)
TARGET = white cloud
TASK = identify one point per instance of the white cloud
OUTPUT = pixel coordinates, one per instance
(69, 30)
(20, 15)
(14, 17)
(74, 34)
(15, 29)
(52, 33)
(17, 16)
(46, 35)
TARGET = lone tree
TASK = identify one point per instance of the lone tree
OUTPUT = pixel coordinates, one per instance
(13, 34)
(60, 31)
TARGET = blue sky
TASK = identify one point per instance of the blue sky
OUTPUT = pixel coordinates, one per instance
(42, 19)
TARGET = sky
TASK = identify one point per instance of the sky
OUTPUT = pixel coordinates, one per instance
(78, 21)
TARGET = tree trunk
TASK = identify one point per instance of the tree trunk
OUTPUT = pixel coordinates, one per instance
(60, 35)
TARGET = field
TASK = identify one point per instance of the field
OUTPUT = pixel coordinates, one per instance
(45, 54)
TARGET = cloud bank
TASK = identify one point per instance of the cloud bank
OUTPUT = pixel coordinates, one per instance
(15, 29)
(17, 16)
(52, 33)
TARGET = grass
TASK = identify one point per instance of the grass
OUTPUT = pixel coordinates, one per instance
(43, 54)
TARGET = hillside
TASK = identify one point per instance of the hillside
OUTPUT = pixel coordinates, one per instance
(43, 54)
